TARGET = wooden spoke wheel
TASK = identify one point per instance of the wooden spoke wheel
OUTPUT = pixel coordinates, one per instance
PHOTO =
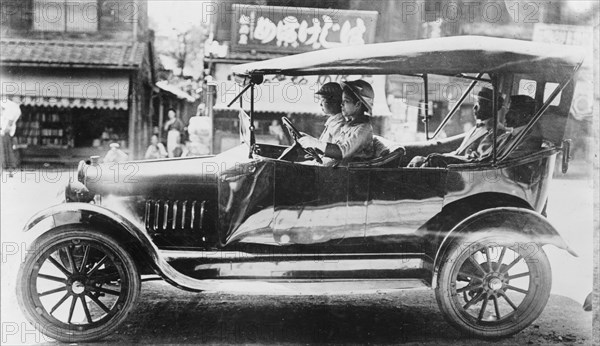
(493, 288)
(77, 284)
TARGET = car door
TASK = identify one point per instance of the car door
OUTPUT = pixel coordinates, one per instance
(310, 204)
(400, 201)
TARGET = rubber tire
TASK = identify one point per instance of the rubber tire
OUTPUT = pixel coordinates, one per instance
(44, 243)
(541, 291)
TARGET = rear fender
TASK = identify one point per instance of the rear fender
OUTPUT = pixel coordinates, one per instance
(524, 226)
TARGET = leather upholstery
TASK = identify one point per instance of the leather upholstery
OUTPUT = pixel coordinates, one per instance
(387, 154)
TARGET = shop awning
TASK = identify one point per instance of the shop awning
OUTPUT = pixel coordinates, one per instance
(292, 95)
(175, 91)
(72, 89)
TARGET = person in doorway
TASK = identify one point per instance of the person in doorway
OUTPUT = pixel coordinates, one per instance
(156, 150)
(173, 126)
(354, 140)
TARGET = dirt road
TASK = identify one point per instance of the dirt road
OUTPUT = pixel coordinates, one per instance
(169, 315)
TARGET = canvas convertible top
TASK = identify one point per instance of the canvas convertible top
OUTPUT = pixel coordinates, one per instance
(447, 55)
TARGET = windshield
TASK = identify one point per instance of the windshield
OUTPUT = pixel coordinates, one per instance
(245, 133)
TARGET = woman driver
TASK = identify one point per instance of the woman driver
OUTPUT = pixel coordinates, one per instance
(354, 140)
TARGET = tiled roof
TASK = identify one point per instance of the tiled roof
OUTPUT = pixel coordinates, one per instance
(72, 53)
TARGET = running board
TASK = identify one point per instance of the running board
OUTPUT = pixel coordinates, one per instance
(345, 274)
(331, 287)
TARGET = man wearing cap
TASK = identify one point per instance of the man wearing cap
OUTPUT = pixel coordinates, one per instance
(330, 100)
(355, 138)
(478, 140)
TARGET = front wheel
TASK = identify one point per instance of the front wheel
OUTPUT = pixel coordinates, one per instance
(493, 288)
(77, 284)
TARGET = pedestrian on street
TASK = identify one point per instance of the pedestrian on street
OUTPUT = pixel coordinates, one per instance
(199, 132)
(115, 154)
(174, 127)
(156, 150)
(9, 115)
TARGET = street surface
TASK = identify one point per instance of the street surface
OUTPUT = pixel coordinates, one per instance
(167, 315)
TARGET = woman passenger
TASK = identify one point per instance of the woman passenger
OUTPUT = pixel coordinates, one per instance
(354, 140)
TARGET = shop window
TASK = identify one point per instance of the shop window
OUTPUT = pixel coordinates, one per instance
(548, 90)
(65, 15)
(45, 127)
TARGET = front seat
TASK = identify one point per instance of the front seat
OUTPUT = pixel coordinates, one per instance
(387, 154)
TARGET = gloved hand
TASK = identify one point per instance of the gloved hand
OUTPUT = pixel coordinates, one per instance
(311, 142)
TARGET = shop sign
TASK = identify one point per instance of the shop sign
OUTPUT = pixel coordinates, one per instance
(299, 29)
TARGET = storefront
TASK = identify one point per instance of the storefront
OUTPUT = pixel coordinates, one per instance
(75, 103)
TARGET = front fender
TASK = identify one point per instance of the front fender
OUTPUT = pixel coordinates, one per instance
(86, 213)
(523, 225)
(70, 213)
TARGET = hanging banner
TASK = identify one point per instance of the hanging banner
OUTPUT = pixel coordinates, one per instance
(299, 29)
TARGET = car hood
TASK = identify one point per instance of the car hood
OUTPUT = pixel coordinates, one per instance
(164, 176)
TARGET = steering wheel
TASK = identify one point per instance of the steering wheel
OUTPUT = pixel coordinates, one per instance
(296, 134)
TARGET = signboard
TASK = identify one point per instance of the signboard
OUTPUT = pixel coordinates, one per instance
(299, 29)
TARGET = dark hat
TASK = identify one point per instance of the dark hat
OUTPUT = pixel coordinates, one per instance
(488, 94)
(523, 103)
(331, 89)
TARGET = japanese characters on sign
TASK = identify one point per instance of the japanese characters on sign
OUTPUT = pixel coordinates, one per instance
(293, 30)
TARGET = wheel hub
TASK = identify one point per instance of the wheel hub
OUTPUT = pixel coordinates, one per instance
(77, 287)
(495, 284)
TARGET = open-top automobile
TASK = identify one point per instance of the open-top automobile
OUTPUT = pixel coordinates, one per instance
(257, 218)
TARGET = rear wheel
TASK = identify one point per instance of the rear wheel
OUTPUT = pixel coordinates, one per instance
(492, 287)
(77, 284)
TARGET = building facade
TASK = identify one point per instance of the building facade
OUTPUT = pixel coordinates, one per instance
(83, 73)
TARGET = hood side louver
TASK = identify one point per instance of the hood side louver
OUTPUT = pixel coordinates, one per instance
(164, 216)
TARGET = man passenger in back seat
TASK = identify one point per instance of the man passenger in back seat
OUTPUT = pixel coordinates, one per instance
(478, 140)
(522, 108)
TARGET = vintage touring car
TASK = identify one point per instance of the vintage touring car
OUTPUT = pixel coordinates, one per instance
(253, 219)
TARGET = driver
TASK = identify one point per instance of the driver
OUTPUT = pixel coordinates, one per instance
(355, 137)
(330, 100)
